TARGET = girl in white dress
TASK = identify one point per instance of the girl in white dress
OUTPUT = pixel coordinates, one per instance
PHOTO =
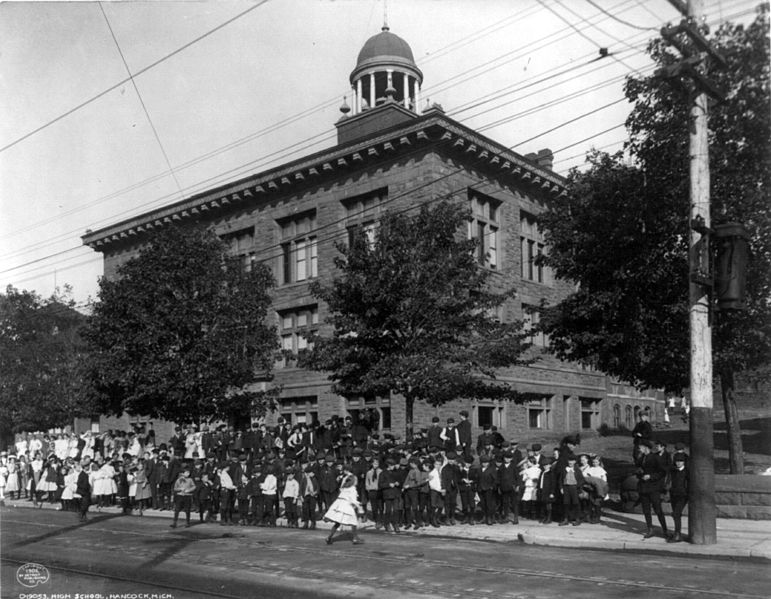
(104, 485)
(343, 511)
(3, 478)
(70, 486)
(530, 474)
(13, 479)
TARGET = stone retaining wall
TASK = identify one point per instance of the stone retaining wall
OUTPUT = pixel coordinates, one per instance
(743, 496)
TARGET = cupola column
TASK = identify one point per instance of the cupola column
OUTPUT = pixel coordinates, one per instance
(358, 96)
(417, 96)
(372, 90)
(406, 91)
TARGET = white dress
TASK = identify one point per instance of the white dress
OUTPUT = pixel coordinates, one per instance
(104, 482)
(70, 485)
(530, 476)
(343, 509)
(12, 479)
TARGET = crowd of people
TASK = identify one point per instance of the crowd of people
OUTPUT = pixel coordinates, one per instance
(335, 470)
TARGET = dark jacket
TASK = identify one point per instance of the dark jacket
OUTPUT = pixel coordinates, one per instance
(508, 478)
(679, 483)
(547, 487)
(389, 484)
(488, 478)
(653, 466)
(450, 477)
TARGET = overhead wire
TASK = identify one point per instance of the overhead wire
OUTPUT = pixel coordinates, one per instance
(620, 20)
(307, 112)
(139, 72)
(207, 182)
(141, 101)
(79, 247)
(213, 152)
(433, 181)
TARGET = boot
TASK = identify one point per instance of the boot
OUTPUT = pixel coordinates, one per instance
(648, 534)
(675, 538)
(357, 540)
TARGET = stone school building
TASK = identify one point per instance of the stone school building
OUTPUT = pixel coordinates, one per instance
(391, 154)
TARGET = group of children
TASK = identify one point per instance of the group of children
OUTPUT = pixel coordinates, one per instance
(398, 486)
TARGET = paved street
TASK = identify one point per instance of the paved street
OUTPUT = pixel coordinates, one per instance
(132, 555)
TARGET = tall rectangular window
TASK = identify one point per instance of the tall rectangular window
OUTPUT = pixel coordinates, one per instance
(532, 245)
(532, 318)
(299, 251)
(294, 327)
(362, 213)
(241, 244)
(484, 227)
(539, 413)
(590, 413)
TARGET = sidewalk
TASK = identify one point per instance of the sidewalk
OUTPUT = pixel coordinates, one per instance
(617, 532)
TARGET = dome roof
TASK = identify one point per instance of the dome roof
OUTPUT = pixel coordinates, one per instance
(385, 44)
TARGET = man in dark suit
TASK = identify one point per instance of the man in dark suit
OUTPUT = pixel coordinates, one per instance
(450, 476)
(642, 431)
(651, 476)
(488, 481)
(509, 481)
(464, 433)
(450, 437)
(435, 435)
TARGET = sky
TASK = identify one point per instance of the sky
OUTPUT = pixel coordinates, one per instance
(112, 109)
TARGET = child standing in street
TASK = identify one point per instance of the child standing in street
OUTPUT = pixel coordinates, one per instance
(290, 495)
(184, 487)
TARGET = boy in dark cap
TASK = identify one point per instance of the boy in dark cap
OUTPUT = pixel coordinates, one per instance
(569, 481)
(411, 495)
(389, 485)
(464, 433)
(488, 482)
(484, 440)
(184, 487)
(508, 484)
(651, 475)
(450, 477)
(468, 477)
(678, 494)
(547, 490)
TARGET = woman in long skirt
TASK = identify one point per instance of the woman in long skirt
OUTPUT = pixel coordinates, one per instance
(343, 510)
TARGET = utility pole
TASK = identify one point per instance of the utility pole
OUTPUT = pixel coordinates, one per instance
(695, 49)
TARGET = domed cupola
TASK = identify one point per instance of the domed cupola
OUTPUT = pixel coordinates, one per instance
(386, 70)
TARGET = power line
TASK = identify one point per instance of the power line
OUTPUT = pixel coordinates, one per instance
(433, 181)
(139, 72)
(142, 102)
(110, 218)
(622, 21)
(248, 138)
(235, 170)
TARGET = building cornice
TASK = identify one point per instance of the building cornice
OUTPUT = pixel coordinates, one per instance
(432, 128)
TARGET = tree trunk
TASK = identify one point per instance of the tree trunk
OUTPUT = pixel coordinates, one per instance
(735, 450)
(409, 404)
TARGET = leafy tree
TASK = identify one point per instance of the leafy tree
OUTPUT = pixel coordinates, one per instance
(623, 231)
(180, 333)
(40, 349)
(412, 315)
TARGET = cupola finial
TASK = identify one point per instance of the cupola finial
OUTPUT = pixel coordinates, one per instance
(385, 16)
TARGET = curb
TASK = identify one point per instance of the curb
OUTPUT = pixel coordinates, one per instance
(757, 551)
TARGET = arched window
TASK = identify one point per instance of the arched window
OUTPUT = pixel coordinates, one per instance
(629, 416)
(616, 416)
